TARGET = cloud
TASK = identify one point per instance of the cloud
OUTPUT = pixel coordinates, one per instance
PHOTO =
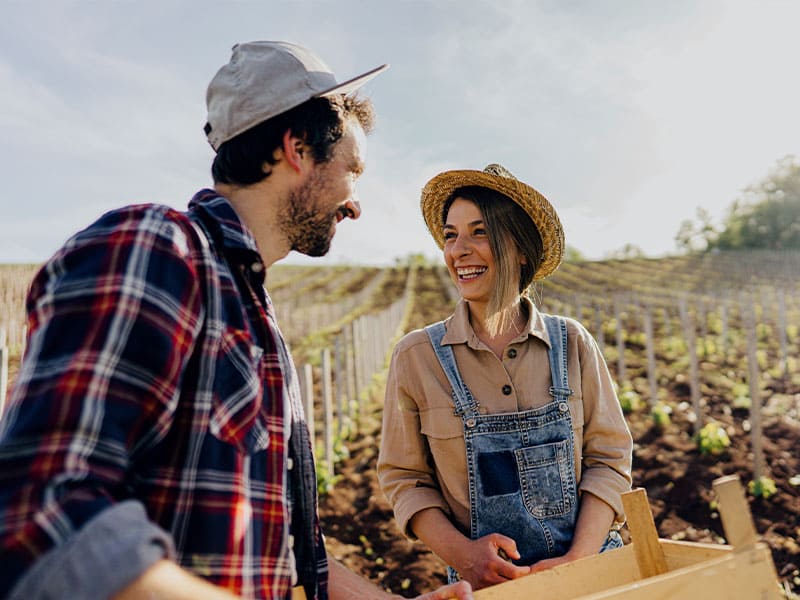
(626, 115)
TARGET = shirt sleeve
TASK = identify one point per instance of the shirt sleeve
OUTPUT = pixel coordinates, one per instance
(120, 539)
(405, 470)
(112, 320)
(607, 443)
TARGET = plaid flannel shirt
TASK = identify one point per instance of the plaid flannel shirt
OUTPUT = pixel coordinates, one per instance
(155, 373)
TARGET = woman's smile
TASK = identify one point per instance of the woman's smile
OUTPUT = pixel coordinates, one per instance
(470, 273)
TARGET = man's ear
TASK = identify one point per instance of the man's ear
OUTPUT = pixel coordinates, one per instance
(294, 150)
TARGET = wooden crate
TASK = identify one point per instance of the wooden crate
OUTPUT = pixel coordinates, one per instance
(650, 568)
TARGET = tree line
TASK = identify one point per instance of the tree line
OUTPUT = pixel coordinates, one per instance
(767, 217)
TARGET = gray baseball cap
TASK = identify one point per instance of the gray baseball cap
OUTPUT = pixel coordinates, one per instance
(264, 79)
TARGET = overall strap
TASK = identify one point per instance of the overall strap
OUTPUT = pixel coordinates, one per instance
(557, 332)
(461, 394)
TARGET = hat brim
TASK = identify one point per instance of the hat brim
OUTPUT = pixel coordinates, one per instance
(541, 212)
(351, 85)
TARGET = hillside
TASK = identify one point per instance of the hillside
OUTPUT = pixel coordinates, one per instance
(667, 462)
(681, 335)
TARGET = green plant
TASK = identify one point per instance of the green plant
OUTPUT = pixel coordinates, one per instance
(368, 551)
(763, 487)
(741, 395)
(630, 401)
(712, 439)
(660, 413)
(325, 479)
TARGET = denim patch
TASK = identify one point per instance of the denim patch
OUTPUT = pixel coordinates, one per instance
(498, 473)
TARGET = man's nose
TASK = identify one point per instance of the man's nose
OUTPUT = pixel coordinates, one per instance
(353, 208)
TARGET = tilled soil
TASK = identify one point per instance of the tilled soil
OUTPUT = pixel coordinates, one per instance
(362, 532)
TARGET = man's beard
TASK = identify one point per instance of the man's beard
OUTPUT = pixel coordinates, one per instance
(308, 231)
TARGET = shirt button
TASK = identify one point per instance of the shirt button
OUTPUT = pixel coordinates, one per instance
(512, 353)
(257, 267)
(289, 464)
(506, 390)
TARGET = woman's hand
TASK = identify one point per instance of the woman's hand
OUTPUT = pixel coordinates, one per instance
(480, 561)
(549, 563)
(457, 591)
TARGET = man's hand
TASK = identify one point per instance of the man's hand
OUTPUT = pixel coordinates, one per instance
(343, 584)
(165, 580)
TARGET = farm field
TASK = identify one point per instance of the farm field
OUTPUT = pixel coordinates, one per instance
(682, 336)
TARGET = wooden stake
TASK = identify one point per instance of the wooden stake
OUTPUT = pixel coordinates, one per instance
(307, 383)
(644, 537)
(755, 389)
(327, 409)
(694, 377)
(622, 375)
(735, 513)
(651, 356)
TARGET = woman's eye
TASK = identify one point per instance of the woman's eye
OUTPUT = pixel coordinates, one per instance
(449, 235)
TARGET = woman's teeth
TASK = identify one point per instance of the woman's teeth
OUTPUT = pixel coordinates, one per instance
(470, 272)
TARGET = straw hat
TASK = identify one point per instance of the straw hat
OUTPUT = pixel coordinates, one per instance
(496, 177)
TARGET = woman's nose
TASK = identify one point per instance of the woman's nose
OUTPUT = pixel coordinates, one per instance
(461, 246)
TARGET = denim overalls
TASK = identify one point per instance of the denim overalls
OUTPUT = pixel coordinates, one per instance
(520, 465)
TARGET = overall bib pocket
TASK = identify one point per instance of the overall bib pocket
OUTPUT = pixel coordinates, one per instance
(545, 478)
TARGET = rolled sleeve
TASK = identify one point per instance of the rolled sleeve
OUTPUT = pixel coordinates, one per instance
(107, 554)
(113, 318)
(404, 463)
(409, 505)
(607, 443)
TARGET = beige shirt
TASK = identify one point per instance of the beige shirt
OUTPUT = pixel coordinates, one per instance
(422, 461)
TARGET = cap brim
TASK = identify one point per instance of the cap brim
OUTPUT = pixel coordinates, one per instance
(351, 85)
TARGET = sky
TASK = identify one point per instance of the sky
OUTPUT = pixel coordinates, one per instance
(628, 115)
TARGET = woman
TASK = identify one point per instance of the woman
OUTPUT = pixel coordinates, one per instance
(504, 446)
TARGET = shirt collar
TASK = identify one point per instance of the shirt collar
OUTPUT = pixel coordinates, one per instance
(229, 232)
(233, 233)
(459, 329)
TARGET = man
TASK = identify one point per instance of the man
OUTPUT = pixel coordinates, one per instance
(154, 444)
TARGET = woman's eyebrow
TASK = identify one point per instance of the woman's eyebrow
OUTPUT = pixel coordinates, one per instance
(476, 222)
